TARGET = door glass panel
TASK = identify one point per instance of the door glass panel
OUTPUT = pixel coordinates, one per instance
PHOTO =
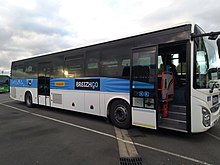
(143, 90)
(44, 73)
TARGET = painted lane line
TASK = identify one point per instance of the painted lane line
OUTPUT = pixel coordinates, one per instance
(6, 101)
(60, 121)
(111, 136)
(214, 136)
(172, 154)
(126, 150)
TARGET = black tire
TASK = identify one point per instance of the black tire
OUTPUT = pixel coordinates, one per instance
(120, 114)
(28, 100)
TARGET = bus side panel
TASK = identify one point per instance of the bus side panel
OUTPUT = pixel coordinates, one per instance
(144, 117)
(92, 103)
(68, 99)
(18, 88)
(18, 93)
(103, 109)
(57, 97)
(89, 102)
(85, 99)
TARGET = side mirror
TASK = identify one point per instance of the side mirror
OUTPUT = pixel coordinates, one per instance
(218, 44)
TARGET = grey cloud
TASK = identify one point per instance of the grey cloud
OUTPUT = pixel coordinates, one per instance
(205, 13)
(30, 20)
(5, 36)
(18, 24)
(32, 26)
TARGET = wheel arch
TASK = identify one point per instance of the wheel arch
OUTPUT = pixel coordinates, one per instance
(25, 93)
(110, 101)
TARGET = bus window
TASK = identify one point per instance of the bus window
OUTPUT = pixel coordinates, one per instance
(160, 65)
(126, 68)
(201, 68)
(57, 67)
(4, 83)
(45, 69)
(18, 71)
(30, 70)
(113, 60)
(74, 68)
(144, 66)
(92, 64)
(109, 66)
(180, 65)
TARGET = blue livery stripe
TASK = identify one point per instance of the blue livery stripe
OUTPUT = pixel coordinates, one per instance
(25, 83)
(106, 84)
(115, 85)
(142, 85)
(62, 83)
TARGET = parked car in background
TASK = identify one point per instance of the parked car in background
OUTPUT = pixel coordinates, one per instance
(4, 83)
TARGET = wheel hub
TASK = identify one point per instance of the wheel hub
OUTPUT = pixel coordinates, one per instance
(120, 113)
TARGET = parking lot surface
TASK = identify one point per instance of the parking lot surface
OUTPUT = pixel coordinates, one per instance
(44, 135)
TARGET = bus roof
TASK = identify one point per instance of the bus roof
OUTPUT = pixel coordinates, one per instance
(179, 28)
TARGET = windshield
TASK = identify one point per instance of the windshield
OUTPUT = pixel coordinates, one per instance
(205, 61)
(4, 80)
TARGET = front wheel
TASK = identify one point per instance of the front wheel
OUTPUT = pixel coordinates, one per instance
(120, 114)
(28, 100)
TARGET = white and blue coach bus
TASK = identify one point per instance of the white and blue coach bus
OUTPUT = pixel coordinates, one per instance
(154, 80)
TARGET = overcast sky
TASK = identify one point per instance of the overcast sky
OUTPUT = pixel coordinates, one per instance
(33, 27)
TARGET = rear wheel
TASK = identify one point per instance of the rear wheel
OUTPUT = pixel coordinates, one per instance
(28, 100)
(120, 114)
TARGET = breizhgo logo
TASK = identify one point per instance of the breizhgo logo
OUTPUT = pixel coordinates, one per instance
(29, 83)
(87, 84)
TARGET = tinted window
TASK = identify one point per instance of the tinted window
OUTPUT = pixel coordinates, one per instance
(45, 69)
(30, 70)
(115, 62)
(4, 80)
(18, 71)
(92, 64)
(144, 65)
(74, 67)
(58, 66)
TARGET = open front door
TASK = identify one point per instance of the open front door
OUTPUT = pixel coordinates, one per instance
(44, 73)
(143, 87)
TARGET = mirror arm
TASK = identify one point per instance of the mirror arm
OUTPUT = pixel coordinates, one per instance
(218, 44)
(212, 35)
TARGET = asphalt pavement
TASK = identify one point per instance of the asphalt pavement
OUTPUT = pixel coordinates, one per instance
(44, 135)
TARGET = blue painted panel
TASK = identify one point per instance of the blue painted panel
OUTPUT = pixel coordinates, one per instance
(142, 85)
(62, 83)
(115, 85)
(25, 83)
(106, 84)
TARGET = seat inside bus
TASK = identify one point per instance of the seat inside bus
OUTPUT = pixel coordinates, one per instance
(172, 58)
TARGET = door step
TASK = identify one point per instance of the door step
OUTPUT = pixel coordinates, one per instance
(174, 129)
(173, 124)
(177, 115)
(176, 108)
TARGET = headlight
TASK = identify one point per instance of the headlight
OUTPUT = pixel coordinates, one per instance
(206, 117)
(215, 108)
